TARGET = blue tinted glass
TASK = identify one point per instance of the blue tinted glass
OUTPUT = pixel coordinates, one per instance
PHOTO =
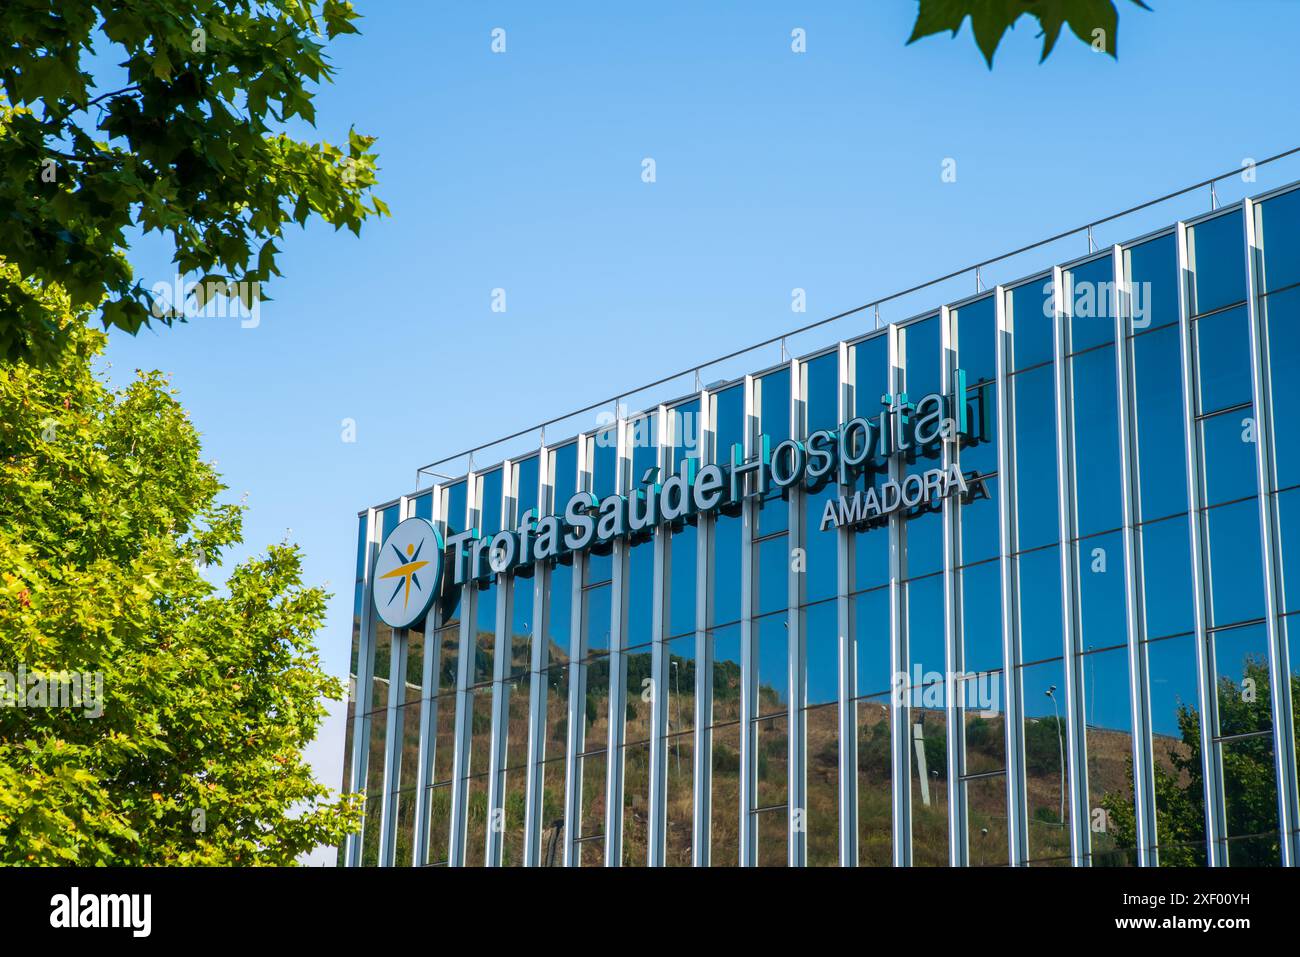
(819, 548)
(1279, 220)
(490, 503)
(1106, 706)
(423, 507)
(1098, 483)
(821, 393)
(823, 653)
(871, 375)
(726, 673)
(643, 442)
(1092, 315)
(564, 476)
(1101, 592)
(640, 593)
(1030, 307)
(925, 630)
(980, 452)
(1171, 665)
(597, 621)
(728, 422)
(1040, 605)
(1229, 456)
(977, 340)
(1036, 496)
(871, 637)
(559, 621)
(685, 440)
(924, 535)
(871, 557)
(525, 487)
(681, 594)
(391, 516)
(604, 462)
(1153, 279)
(773, 636)
(1223, 360)
(920, 343)
(1288, 516)
(773, 401)
(1167, 577)
(980, 529)
(361, 546)
(1236, 576)
(1241, 666)
(1280, 313)
(724, 571)
(772, 561)
(1216, 249)
(1158, 407)
(982, 616)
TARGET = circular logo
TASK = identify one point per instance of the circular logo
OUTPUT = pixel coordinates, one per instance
(408, 573)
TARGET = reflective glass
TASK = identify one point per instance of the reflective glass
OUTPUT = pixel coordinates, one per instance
(773, 635)
(822, 728)
(1167, 577)
(1279, 230)
(1152, 271)
(1040, 605)
(1236, 578)
(1045, 766)
(875, 790)
(871, 621)
(981, 607)
(822, 653)
(1222, 360)
(1158, 417)
(1098, 484)
(1109, 741)
(1228, 447)
(1036, 498)
(1029, 307)
(1280, 313)
(1102, 606)
(1216, 252)
(1092, 313)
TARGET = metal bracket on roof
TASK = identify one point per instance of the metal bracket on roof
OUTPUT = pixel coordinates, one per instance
(979, 283)
(877, 315)
(1214, 196)
(785, 353)
(1092, 248)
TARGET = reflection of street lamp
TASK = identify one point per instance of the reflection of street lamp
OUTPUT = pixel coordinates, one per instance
(677, 694)
(1060, 749)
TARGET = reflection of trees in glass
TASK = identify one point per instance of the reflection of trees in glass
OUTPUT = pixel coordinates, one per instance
(1248, 778)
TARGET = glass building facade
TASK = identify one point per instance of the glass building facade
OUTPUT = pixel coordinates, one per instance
(1083, 660)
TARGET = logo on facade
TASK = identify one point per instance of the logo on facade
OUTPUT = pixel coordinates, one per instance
(408, 573)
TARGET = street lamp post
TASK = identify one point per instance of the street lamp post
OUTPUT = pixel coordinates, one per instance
(1060, 750)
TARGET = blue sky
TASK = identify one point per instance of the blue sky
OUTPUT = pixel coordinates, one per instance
(522, 171)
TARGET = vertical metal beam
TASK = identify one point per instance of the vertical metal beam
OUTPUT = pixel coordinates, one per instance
(1067, 519)
(577, 724)
(617, 664)
(702, 781)
(900, 724)
(464, 698)
(659, 654)
(1134, 596)
(396, 669)
(845, 622)
(748, 833)
(1279, 662)
(428, 712)
(538, 690)
(796, 643)
(500, 696)
(360, 717)
(954, 646)
(1215, 820)
(1017, 813)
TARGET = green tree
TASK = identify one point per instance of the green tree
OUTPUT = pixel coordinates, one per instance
(1249, 784)
(1095, 22)
(107, 517)
(187, 138)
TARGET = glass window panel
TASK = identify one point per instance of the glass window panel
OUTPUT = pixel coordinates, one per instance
(516, 691)
(559, 618)
(871, 374)
(773, 838)
(1229, 456)
(1046, 769)
(1236, 576)
(724, 571)
(1110, 754)
(552, 824)
(982, 616)
(378, 723)
(1279, 225)
(924, 533)
(370, 832)
(525, 487)
(592, 769)
(872, 640)
(683, 545)
(1280, 313)
(728, 422)
(1288, 517)
(596, 706)
(514, 808)
(920, 344)
(1241, 685)
(1176, 751)
(1250, 798)
(925, 632)
(564, 476)
(822, 728)
(521, 625)
(1036, 499)
(929, 763)
(640, 594)
(1158, 414)
(681, 800)
(1102, 606)
(1167, 577)
(822, 649)
(979, 453)
(875, 791)
(1152, 271)
(1092, 316)
(980, 527)
(685, 440)
(725, 796)
(480, 744)
(773, 760)
(820, 559)
(486, 638)
(408, 737)
(772, 398)
(381, 662)
(986, 810)
(1040, 605)
(821, 393)
(773, 636)
(404, 852)
(977, 340)
(681, 684)
(439, 824)
(1222, 360)
(772, 575)
(636, 805)
(871, 557)
(1098, 483)
(1029, 307)
(596, 620)
(985, 720)
(1216, 250)
(636, 677)
(726, 673)
(444, 737)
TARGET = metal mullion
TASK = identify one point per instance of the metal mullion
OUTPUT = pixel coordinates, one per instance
(701, 784)
(1017, 814)
(1215, 820)
(900, 725)
(537, 686)
(748, 833)
(500, 701)
(396, 669)
(360, 717)
(1067, 519)
(576, 730)
(1270, 550)
(464, 698)
(1134, 596)
(954, 650)
(659, 656)
(428, 711)
(848, 669)
(796, 645)
(617, 664)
